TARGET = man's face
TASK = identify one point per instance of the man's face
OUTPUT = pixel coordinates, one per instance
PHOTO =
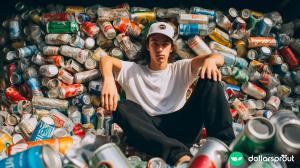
(159, 47)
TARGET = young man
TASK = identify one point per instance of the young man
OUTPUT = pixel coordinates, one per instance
(156, 117)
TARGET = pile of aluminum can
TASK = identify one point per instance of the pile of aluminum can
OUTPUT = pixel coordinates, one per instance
(50, 84)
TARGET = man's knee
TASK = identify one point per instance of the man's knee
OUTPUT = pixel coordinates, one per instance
(209, 85)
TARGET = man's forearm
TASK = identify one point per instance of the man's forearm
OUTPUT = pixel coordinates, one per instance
(106, 66)
(219, 59)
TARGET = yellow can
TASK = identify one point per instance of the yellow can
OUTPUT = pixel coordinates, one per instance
(241, 48)
(5, 141)
(143, 17)
(256, 14)
(220, 37)
(231, 80)
(74, 9)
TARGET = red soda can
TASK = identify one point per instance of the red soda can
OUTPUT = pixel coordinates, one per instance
(289, 57)
(212, 154)
(71, 90)
(78, 130)
(56, 60)
(124, 25)
(254, 42)
(90, 29)
(47, 17)
(13, 95)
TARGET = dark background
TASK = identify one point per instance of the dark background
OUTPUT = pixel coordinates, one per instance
(289, 9)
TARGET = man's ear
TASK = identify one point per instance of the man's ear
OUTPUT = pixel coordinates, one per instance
(172, 48)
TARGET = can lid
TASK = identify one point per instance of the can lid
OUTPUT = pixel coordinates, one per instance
(60, 132)
(260, 128)
(50, 157)
(89, 43)
(11, 55)
(260, 104)
(233, 12)
(290, 133)
(268, 21)
(251, 55)
(265, 50)
(246, 13)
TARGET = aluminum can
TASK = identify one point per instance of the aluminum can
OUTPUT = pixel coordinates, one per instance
(90, 29)
(90, 64)
(89, 43)
(253, 90)
(257, 137)
(213, 154)
(86, 76)
(193, 29)
(27, 51)
(199, 46)
(77, 41)
(48, 17)
(34, 86)
(5, 141)
(289, 57)
(71, 90)
(46, 103)
(221, 37)
(14, 30)
(265, 27)
(44, 129)
(202, 11)
(57, 60)
(13, 95)
(109, 155)
(57, 39)
(273, 103)
(48, 70)
(73, 66)
(124, 25)
(60, 120)
(50, 50)
(254, 42)
(192, 18)
(60, 145)
(62, 27)
(65, 76)
(108, 30)
(156, 162)
(131, 50)
(38, 156)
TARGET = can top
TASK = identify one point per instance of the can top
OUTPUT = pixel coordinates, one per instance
(290, 133)
(268, 21)
(260, 128)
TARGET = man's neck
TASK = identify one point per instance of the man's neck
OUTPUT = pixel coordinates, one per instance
(157, 67)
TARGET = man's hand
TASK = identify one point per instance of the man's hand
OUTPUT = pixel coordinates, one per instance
(109, 95)
(210, 69)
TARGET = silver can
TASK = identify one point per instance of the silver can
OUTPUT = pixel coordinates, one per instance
(57, 39)
(48, 70)
(109, 155)
(73, 66)
(90, 64)
(199, 46)
(273, 103)
(214, 150)
(46, 103)
(83, 77)
(65, 76)
(77, 41)
(38, 59)
(89, 43)
(50, 50)
(76, 53)
(108, 30)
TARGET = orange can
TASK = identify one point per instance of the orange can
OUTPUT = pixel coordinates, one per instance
(60, 144)
(124, 25)
(5, 141)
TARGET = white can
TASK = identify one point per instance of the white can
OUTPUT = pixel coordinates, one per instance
(48, 70)
(57, 39)
(65, 76)
(199, 46)
(89, 43)
(108, 30)
(273, 103)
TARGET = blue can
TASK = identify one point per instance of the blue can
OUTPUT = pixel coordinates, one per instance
(241, 62)
(202, 11)
(193, 29)
(83, 99)
(88, 114)
(281, 69)
(107, 125)
(43, 130)
(264, 27)
(14, 30)
(27, 51)
(34, 157)
(34, 85)
(233, 87)
(81, 18)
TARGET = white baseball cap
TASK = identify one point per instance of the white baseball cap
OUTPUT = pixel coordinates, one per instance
(161, 28)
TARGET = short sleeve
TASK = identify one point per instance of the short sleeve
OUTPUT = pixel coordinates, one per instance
(127, 67)
(183, 71)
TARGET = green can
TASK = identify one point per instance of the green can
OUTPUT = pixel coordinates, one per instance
(62, 27)
(257, 137)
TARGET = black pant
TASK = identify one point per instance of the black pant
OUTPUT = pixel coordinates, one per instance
(167, 135)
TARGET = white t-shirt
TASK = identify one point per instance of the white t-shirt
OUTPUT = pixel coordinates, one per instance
(158, 92)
